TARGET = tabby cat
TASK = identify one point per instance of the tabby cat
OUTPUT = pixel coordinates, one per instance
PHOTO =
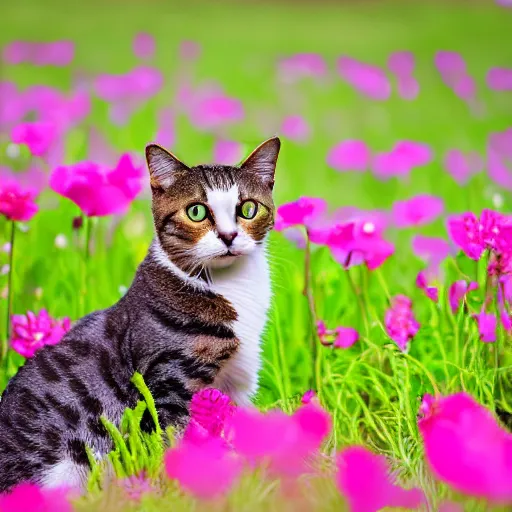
(192, 318)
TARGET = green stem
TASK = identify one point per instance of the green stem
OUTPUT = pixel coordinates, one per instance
(5, 343)
(308, 292)
(360, 301)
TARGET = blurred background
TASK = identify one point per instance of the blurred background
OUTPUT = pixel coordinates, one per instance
(375, 102)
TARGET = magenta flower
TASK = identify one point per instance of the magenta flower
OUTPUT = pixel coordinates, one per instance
(430, 291)
(467, 449)
(417, 211)
(32, 331)
(401, 64)
(457, 293)
(17, 52)
(432, 250)
(37, 136)
(296, 236)
(207, 470)
(295, 128)
(29, 497)
(359, 241)
(211, 111)
(308, 397)
(451, 66)
(363, 479)
(143, 45)
(499, 79)
(339, 337)
(474, 235)
(462, 166)
(486, 326)
(227, 152)
(400, 323)
(349, 155)
(57, 53)
(211, 408)
(286, 443)
(403, 157)
(345, 337)
(506, 320)
(499, 158)
(371, 81)
(166, 135)
(302, 65)
(16, 203)
(301, 212)
(97, 191)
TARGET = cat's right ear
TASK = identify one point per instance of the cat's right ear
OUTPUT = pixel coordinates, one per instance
(164, 167)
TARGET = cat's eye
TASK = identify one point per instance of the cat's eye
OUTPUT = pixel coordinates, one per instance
(248, 210)
(197, 212)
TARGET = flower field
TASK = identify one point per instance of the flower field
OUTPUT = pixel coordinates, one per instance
(387, 375)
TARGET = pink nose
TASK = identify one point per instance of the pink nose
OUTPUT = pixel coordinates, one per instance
(228, 238)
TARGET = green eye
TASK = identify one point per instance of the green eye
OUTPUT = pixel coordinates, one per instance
(248, 209)
(197, 212)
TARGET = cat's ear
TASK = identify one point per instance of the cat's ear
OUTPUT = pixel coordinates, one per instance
(262, 161)
(164, 167)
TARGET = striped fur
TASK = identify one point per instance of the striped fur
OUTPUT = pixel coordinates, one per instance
(192, 318)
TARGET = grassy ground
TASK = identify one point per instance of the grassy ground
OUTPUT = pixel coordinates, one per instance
(372, 389)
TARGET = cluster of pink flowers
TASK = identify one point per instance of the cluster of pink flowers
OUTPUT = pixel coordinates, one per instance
(453, 70)
(400, 323)
(57, 53)
(33, 331)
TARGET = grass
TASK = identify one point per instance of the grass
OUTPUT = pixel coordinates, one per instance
(372, 389)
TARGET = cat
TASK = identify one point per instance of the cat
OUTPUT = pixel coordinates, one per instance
(192, 318)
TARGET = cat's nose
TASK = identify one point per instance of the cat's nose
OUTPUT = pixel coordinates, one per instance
(228, 238)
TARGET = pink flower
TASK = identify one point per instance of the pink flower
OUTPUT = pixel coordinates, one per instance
(227, 152)
(31, 332)
(207, 470)
(474, 235)
(37, 136)
(499, 79)
(403, 157)
(211, 408)
(17, 52)
(17, 203)
(402, 65)
(97, 191)
(301, 212)
(506, 320)
(166, 135)
(138, 85)
(143, 45)
(430, 291)
(29, 497)
(57, 53)
(417, 211)
(296, 236)
(368, 80)
(400, 323)
(295, 128)
(287, 443)
(215, 110)
(487, 326)
(462, 166)
(499, 158)
(345, 337)
(467, 449)
(302, 65)
(432, 250)
(349, 155)
(363, 479)
(451, 66)
(308, 397)
(458, 291)
(359, 241)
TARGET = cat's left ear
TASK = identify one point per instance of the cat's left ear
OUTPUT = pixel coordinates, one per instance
(262, 161)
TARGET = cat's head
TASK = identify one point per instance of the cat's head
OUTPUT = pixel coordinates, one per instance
(208, 216)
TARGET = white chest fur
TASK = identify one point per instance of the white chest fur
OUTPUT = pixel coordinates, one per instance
(246, 285)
